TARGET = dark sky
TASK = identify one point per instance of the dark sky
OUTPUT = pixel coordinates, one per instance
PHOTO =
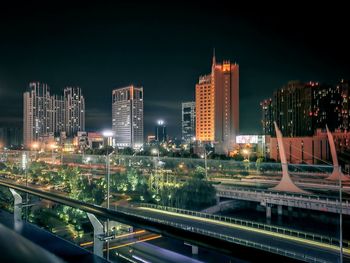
(165, 49)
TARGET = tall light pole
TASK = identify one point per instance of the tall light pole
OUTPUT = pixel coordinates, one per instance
(156, 152)
(24, 167)
(205, 156)
(340, 218)
(108, 135)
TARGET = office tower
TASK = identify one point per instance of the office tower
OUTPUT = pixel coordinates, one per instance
(217, 106)
(267, 117)
(160, 133)
(188, 121)
(127, 116)
(37, 112)
(74, 110)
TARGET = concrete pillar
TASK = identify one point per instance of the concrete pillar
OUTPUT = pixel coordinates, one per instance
(268, 211)
(279, 210)
(98, 233)
(194, 250)
(17, 210)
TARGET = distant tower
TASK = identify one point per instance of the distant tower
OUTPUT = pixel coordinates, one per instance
(127, 116)
(160, 132)
(217, 105)
(188, 121)
(74, 110)
(37, 112)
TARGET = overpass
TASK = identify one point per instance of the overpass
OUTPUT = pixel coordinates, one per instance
(268, 198)
(221, 235)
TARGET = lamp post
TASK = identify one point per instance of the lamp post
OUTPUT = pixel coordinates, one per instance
(340, 218)
(24, 167)
(205, 156)
(156, 152)
(108, 135)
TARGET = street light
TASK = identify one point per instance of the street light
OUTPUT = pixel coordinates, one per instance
(340, 217)
(155, 151)
(205, 156)
(108, 134)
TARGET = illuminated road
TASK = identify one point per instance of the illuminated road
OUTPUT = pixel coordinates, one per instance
(298, 245)
(146, 252)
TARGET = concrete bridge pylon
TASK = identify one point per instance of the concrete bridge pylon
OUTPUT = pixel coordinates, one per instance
(286, 184)
(337, 173)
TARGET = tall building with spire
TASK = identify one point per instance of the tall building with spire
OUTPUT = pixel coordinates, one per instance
(217, 105)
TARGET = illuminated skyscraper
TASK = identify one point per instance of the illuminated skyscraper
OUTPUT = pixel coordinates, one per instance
(127, 116)
(37, 112)
(45, 114)
(217, 106)
(74, 110)
(188, 121)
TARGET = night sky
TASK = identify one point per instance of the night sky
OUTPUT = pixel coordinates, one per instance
(165, 49)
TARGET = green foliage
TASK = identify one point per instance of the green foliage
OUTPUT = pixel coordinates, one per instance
(197, 194)
(199, 172)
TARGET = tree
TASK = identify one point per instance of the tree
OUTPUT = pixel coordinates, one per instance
(196, 194)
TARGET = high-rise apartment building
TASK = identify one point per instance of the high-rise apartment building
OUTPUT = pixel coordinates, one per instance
(127, 116)
(45, 114)
(37, 112)
(74, 110)
(188, 121)
(217, 105)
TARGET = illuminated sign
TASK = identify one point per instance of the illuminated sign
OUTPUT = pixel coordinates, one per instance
(244, 139)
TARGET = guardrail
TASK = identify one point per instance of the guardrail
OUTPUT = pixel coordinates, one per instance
(270, 194)
(252, 224)
(282, 252)
(264, 191)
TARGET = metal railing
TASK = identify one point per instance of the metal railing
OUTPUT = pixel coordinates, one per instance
(269, 194)
(252, 224)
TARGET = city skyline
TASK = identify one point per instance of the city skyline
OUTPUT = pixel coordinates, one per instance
(161, 65)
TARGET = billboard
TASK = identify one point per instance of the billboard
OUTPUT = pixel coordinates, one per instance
(244, 139)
